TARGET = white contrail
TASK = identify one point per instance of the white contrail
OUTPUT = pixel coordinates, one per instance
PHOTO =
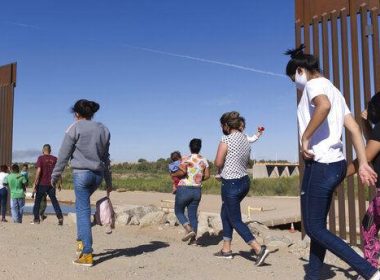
(207, 61)
(22, 24)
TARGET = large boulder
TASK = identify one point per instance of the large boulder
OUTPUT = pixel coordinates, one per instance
(135, 221)
(215, 222)
(152, 218)
(123, 218)
(171, 219)
(203, 226)
(278, 241)
(141, 211)
(258, 229)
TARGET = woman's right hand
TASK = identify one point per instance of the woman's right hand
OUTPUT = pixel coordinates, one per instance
(367, 176)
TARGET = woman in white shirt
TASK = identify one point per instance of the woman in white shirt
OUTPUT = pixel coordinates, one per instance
(322, 114)
(3, 192)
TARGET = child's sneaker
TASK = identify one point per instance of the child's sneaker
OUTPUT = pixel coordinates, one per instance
(79, 248)
(84, 260)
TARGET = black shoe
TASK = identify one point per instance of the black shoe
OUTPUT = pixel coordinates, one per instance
(43, 217)
(60, 222)
(224, 255)
(35, 222)
(4, 220)
(261, 255)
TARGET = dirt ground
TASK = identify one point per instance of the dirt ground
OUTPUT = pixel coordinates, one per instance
(46, 251)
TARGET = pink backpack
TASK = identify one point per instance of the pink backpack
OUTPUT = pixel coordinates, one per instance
(104, 214)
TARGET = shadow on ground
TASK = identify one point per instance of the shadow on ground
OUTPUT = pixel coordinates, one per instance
(329, 271)
(249, 256)
(209, 240)
(129, 252)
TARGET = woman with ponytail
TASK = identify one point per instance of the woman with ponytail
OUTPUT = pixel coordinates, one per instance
(86, 146)
(322, 114)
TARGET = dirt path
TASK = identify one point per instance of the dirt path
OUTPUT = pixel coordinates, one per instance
(45, 251)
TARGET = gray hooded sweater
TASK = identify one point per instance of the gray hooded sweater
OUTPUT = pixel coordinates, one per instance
(86, 146)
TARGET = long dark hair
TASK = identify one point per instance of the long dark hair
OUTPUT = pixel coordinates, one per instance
(299, 59)
(373, 109)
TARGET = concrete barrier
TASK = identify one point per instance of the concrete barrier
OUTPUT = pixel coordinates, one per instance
(272, 170)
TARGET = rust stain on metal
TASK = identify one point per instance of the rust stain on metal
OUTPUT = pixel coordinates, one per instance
(7, 85)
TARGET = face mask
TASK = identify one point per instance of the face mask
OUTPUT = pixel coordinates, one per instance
(300, 80)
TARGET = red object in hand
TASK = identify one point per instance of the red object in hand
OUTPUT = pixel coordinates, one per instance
(260, 128)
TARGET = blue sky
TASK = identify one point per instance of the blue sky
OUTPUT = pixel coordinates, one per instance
(151, 66)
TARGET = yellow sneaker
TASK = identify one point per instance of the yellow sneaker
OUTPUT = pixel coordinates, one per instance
(79, 248)
(84, 260)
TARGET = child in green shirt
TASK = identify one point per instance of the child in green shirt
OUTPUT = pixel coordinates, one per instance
(16, 184)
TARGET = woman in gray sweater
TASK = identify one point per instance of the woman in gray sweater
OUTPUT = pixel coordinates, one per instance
(86, 146)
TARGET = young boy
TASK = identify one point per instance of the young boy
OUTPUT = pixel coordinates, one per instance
(16, 184)
(174, 167)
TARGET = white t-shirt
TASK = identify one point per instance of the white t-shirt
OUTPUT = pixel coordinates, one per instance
(326, 141)
(2, 176)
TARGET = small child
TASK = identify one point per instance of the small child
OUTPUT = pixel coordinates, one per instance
(25, 172)
(16, 183)
(254, 137)
(174, 167)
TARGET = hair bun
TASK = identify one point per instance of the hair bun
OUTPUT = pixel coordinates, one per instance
(234, 115)
(94, 106)
(295, 52)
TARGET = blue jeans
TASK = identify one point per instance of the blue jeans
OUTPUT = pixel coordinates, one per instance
(85, 183)
(3, 201)
(233, 192)
(17, 209)
(41, 192)
(187, 197)
(318, 185)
